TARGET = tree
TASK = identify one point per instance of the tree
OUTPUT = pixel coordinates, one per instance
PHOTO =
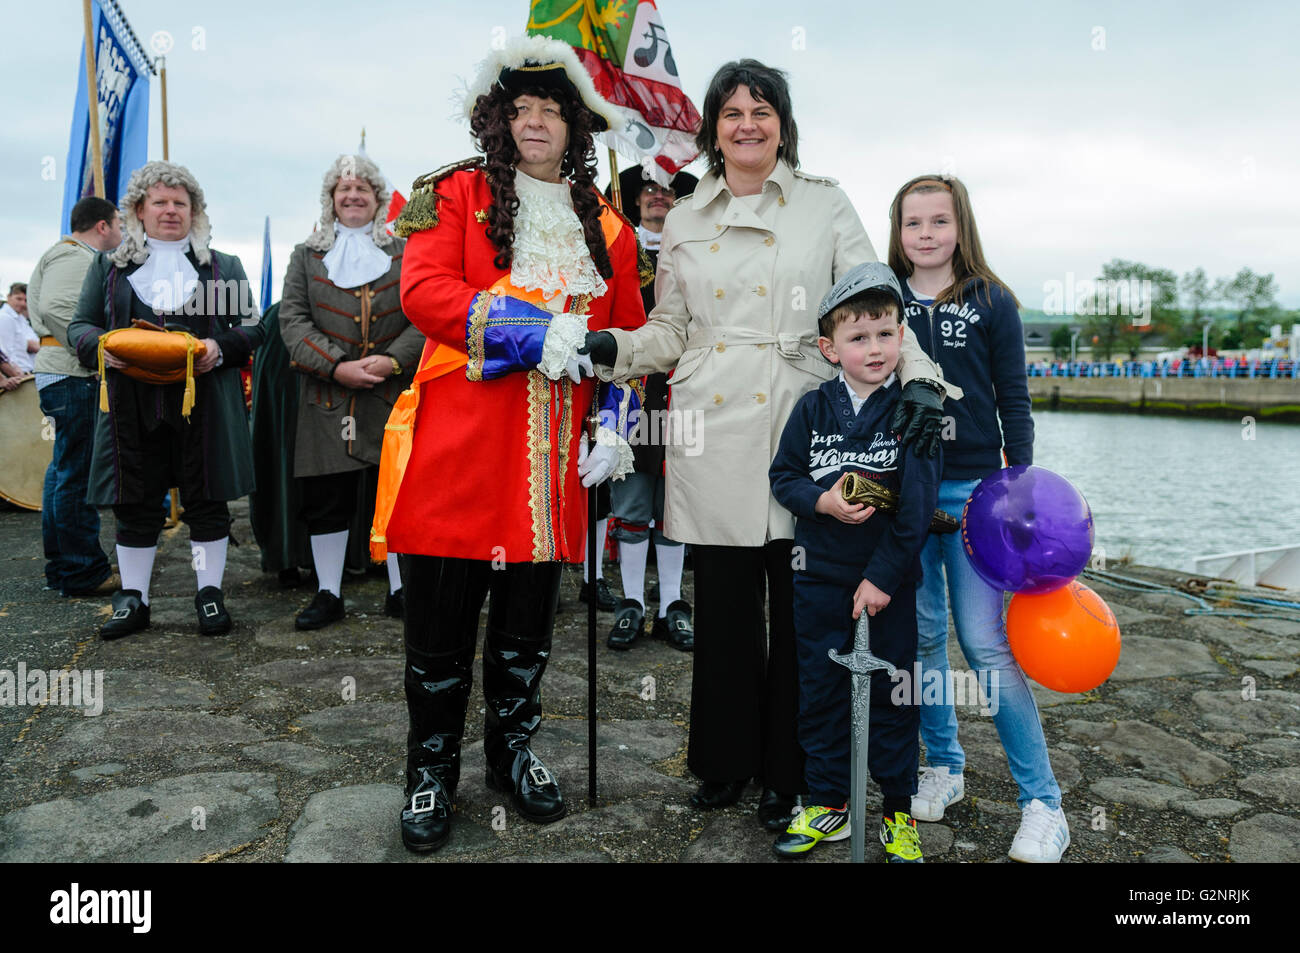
(1195, 288)
(1132, 299)
(1250, 294)
(1060, 342)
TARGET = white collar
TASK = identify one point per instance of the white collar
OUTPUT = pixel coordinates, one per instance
(167, 278)
(550, 251)
(354, 259)
(649, 240)
(859, 401)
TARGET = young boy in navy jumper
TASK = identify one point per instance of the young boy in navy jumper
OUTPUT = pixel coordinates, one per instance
(854, 559)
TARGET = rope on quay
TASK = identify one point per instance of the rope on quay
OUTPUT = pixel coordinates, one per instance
(1271, 608)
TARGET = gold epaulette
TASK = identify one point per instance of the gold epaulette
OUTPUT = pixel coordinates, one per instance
(421, 209)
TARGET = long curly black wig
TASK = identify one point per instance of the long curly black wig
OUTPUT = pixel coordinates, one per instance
(490, 123)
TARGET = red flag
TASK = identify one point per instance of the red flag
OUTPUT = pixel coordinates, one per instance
(625, 48)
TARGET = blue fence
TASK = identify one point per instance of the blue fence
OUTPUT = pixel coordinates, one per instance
(1187, 367)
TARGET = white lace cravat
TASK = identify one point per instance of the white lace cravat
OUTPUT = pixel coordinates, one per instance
(166, 280)
(550, 253)
(354, 258)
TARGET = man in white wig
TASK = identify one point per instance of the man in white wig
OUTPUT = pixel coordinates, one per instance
(164, 273)
(341, 320)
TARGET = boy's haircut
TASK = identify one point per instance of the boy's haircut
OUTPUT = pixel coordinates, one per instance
(89, 212)
(873, 303)
(968, 257)
(18, 287)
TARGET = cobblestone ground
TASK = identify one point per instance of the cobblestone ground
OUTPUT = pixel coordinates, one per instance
(273, 745)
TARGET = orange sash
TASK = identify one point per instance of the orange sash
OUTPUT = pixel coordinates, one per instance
(436, 360)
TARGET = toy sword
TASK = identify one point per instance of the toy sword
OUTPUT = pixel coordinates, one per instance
(861, 663)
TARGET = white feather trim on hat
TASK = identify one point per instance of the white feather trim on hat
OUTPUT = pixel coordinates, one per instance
(359, 167)
(133, 248)
(540, 50)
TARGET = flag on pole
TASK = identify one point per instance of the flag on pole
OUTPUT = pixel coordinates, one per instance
(266, 265)
(122, 70)
(625, 48)
(397, 201)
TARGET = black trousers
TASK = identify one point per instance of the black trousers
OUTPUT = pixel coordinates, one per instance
(329, 501)
(443, 599)
(745, 689)
(138, 524)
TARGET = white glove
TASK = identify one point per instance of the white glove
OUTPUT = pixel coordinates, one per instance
(567, 333)
(599, 465)
(579, 366)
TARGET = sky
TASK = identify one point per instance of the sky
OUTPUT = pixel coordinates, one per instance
(1165, 133)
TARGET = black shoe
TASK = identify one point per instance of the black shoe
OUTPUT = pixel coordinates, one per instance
(324, 609)
(629, 622)
(426, 818)
(605, 600)
(213, 617)
(532, 788)
(395, 604)
(289, 578)
(715, 794)
(675, 626)
(129, 615)
(775, 809)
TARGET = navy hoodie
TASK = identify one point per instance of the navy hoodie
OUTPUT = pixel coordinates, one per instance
(981, 347)
(824, 439)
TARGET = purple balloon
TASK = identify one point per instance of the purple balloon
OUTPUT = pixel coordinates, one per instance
(1027, 529)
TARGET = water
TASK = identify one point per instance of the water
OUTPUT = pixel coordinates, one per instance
(1164, 490)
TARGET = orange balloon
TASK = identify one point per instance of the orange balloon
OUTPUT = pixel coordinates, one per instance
(1066, 639)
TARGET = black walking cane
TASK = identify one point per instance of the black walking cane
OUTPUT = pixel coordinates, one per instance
(593, 563)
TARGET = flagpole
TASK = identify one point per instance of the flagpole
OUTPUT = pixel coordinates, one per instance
(614, 189)
(92, 101)
(162, 73)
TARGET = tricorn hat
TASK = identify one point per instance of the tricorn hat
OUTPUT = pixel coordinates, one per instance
(633, 179)
(546, 62)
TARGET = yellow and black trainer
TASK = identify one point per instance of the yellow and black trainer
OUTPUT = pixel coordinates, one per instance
(811, 826)
(902, 842)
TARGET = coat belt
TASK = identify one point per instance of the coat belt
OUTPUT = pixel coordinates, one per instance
(793, 347)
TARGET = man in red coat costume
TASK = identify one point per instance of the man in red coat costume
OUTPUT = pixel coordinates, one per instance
(510, 260)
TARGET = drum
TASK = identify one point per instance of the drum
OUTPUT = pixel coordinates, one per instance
(26, 445)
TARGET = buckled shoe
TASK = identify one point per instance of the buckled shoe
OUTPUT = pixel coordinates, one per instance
(629, 622)
(532, 788)
(324, 609)
(211, 607)
(675, 627)
(426, 818)
(129, 615)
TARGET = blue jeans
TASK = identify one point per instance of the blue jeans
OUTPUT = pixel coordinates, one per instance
(75, 562)
(977, 612)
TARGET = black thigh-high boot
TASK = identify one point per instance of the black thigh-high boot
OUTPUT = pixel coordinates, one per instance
(521, 618)
(441, 627)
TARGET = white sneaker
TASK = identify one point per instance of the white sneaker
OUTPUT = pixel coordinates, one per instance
(935, 790)
(1043, 836)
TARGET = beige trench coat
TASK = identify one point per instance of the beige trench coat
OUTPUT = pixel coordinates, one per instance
(736, 294)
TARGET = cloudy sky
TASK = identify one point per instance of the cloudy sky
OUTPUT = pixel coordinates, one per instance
(1165, 133)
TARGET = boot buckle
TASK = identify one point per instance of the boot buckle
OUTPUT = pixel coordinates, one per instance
(540, 776)
(422, 802)
(121, 613)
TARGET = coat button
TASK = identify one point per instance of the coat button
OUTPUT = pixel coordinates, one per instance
(357, 292)
(760, 398)
(718, 227)
(760, 291)
(356, 319)
(719, 293)
(722, 346)
(846, 411)
(769, 241)
(717, 398)
(781, 200)
(761, 346)
(713, 247)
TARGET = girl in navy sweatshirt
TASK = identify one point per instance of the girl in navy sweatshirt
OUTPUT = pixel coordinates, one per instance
(968, 322)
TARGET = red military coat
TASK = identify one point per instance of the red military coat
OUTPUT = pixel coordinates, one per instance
(492, 473)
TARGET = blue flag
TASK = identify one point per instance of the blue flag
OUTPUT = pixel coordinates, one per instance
(122, 83)
(266, 265)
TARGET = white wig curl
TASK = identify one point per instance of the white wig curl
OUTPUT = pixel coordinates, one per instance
(133, 248)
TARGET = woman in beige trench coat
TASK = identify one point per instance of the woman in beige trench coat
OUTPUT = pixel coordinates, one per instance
(743, 263)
